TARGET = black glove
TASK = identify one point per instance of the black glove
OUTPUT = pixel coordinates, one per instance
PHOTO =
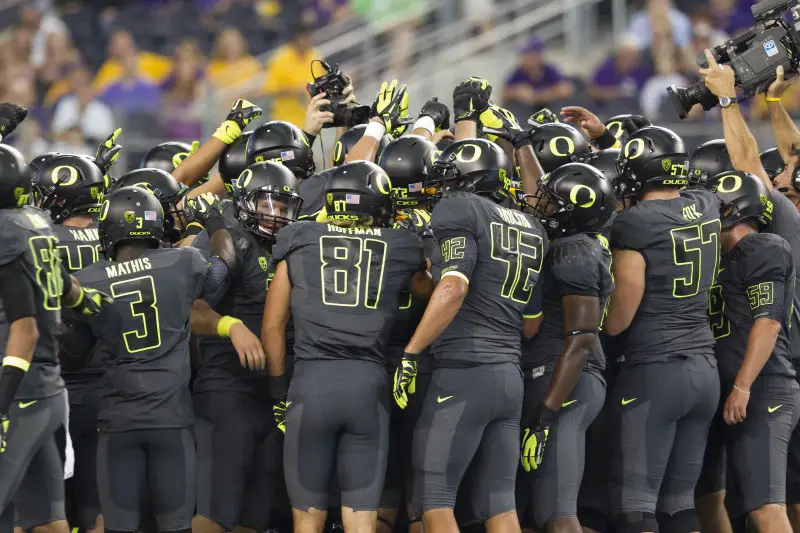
(534, 440)
(4, 423)
(471, 98)
(498, 122)
(91, 301)
(391, 106)
(405, 379)
(438, 112)
(108, 151)
(200, 208)
(10, 117)
(543, 116)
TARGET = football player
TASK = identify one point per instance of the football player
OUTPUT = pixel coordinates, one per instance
(341, 281)
(492, 255)
(708, 160)
(564, 385)
(751, 318)
(666, 251)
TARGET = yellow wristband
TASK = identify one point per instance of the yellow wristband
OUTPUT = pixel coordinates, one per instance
(16, 362)
(228, 132)
(225, 324)
(78, 301)
(772, 99)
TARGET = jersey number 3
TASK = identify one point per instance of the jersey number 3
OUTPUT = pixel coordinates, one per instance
(147, 336)
(351, 267)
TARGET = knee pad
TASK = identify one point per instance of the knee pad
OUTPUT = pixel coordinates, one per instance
(636, 522)
(685, 521)
(593, 519)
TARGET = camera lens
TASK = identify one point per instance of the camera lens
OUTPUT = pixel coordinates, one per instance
(683, 99)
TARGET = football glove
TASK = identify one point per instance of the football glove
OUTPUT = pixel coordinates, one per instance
(543, 116)
(534, 440)
(498, 122)
(10, 117)
(108, 151)
(279, 412)
(200, 208)
(405, 379)
(4, 423)
(391, 106)
(438, 112)
(471, 98)
(241, 114)
(91, 301)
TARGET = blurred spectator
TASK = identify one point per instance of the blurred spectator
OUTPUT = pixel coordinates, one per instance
(323, 12)
(231, 66)
(704, 22)
(732, 16)
(82, 110)
(288, 71)
(620, 76)
(15, 52)
(71, 142)
(122, 49)
(660, 17)
(132, 93)
(62, 58)
(535, 83)
(179, 114)
(42, 23)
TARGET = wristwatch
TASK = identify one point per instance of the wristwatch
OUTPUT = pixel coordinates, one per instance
(727, 101)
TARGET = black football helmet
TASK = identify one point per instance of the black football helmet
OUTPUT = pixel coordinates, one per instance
(37, 162)
(474, 165)
(233, 161)
(166, 156)
(68, 185)
(707, 160)
(15, 178)
(574, 198)
(652, 155)
(772, 162)
(349, 139)
(557, 144)
(623, 126)
(130, 214)
(284, 143)
(408, 160)
(605, 161)
(265, 199)
(359, 193)
(166, 189)
(743, 196)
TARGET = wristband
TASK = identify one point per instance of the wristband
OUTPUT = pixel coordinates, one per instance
(76, 304)
(224, 325)
(16, 362)
(772, 99)
(426, 123)
(606, 140)
(214, 224)
(278, 387)
(10, 379)
(741, 390)
(376, 130)
(310, 138)
(228, 132)
(547, 416)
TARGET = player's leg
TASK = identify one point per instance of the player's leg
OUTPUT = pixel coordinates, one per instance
(39, 499)
(411, 415)
(643, 418)
(171, 477)
(758, 447)
(225, 441)
(266, 475)
(311, 440)
(793, 480)
(392, 494)
(83, 430)
(709, 493)
(456, 409)
(121, 479)
(495, 463)
(594, 511)
(698, 391)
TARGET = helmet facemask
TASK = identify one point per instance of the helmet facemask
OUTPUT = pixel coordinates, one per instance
(264, 211)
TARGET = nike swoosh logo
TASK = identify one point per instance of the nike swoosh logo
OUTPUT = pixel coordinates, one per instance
(773, 409)
(25, 405)
(439, 399)
(626, 402)
(565, 404)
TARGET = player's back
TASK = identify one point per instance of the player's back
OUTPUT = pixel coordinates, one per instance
(26, 234)
(147, 328)
(346, 284)
(511, 246)
(679, 240)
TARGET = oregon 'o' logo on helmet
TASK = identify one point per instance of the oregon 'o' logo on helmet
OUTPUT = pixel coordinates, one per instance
(244, 178)
(729, 183)
(476, 153)
(104, 210)
(64, 175)
(554, 146)
(179, 158)
(634, 148)
(587, 199)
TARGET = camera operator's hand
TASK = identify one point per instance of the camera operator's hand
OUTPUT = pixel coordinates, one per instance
(348, 93)
(720, 79)
(438, 112)
(585, 120)
(316, 119)
(779, 86)
(471, 98)
(389, 106)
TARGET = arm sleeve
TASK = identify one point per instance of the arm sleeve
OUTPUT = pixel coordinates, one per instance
(765, 271)
(16, 291)
(215, 282)
(629, 232)
(576, 271)
(199, 268)
(460, 253)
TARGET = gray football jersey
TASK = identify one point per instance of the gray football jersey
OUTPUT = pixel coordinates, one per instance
(757, 280)
(346, 285)
(786, 223)
(579, 265)
(27, 235)
(679, 240)
(312, 190)
(147, 329)
(500, 251)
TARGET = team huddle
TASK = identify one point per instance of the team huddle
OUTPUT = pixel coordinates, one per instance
(581, 324)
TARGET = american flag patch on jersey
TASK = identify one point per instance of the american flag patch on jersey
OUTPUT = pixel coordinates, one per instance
(287, 156)
(415, 187)
(149, 215)
(352, 198)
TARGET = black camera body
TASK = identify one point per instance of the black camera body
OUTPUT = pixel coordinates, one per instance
(753, 54)
(333, 84)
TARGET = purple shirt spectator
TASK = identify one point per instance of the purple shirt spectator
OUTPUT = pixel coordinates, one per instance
(547, 77)
(132, 96)
(622, 71)
(534, 83)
